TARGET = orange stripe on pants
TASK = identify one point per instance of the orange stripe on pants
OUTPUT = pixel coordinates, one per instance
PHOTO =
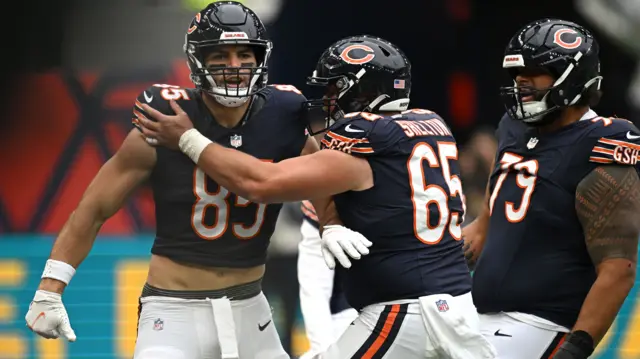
(384, 333)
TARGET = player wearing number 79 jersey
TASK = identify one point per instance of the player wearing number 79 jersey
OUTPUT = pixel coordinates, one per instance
(562, 215)
(395, 179)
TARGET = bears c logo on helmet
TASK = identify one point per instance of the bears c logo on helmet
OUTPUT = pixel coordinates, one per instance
(196, 20)
(346, 54)
(557, 39)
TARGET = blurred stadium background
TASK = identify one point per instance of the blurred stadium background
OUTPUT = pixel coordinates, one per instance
(71, 70)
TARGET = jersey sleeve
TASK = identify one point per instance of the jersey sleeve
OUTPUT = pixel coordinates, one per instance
(291, 100)
(362, 135)
(157, 97)
(614, 141)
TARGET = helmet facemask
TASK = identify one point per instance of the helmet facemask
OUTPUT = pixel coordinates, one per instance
(336, 99)
(537, 107)
(235, 85)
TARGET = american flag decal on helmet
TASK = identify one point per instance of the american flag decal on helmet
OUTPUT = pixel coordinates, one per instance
(398, 84)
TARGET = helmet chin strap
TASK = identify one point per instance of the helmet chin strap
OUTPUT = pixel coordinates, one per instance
(228, 101)
(534, 109)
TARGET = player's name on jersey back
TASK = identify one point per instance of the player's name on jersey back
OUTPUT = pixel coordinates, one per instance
(422, 128)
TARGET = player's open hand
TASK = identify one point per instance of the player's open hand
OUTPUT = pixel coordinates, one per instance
(166, 129)
(340, 243)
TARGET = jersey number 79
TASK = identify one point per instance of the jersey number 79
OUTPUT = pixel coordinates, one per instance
(513, 162)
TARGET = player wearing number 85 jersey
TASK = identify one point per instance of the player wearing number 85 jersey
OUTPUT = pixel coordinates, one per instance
(203, 291)
(562, 207)
(395, 178)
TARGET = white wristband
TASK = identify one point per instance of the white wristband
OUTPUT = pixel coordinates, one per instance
(58, 270)
(192, 143)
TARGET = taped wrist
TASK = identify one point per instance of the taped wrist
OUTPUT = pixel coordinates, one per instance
(58, 270)
(192, 143)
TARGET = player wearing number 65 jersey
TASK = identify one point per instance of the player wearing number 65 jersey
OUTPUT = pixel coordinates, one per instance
(203, 291)
(562, 207)
(395, 177)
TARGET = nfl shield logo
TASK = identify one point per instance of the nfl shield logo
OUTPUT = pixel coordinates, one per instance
(236, 141)
(158, 324)
(442, 305)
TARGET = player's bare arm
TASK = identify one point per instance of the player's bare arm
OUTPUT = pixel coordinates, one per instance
(106, 194)
(475, 233)
(608, 206)
(321, 174)
(324, 206)
(110, 188)
(318, 175)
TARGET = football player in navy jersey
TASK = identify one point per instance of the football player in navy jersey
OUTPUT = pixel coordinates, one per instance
(559, 234)
(395, 179)
(204, 283)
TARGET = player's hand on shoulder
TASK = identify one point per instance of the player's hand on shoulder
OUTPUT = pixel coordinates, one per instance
(165, 130)
(341, 243)
(159, 117)
(48, 317)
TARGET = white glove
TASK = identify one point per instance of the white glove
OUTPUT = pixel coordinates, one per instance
(336, 240)
(48, 317)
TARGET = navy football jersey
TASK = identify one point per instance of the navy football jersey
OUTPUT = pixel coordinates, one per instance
(413, 212)
(535, 259)
(199, 221)
(338, 301)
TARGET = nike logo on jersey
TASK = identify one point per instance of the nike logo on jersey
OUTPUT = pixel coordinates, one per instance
(351, 129)
(498, 334)
(632, 137)
(262, 327)
(147, 97)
